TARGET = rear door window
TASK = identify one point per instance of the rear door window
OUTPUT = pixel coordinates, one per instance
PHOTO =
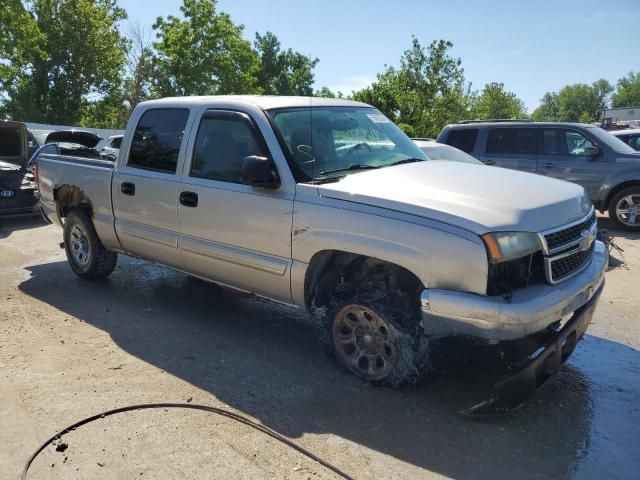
(512, 141)
(463, 139)
(157, 139)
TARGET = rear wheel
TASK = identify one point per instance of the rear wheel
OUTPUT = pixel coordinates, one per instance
(624, 208)
(86, 255)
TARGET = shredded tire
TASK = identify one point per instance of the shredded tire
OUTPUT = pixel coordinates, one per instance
(101, 261)
(398, 307)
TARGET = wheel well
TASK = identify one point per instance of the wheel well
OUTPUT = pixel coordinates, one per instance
(68, 197)
(618, 188)
(330, 267)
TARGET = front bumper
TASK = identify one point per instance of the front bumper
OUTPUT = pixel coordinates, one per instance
(530, 310)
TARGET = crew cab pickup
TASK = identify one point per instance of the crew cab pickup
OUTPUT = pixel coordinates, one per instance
(326, 205)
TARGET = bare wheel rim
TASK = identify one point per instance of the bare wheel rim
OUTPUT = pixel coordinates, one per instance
(79, 246)
(628, 210)
(364, 342)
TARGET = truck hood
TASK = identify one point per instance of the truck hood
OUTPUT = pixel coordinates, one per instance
(79, 137)
(14, 148)
(478, 198)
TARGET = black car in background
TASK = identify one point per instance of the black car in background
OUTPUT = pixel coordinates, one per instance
(18, 195)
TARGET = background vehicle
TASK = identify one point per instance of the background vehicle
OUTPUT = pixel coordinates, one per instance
(110, 149)
(441, 151)
(325, 204)
(630, 137)
(17, 187)
(74, 143)
(605, 166)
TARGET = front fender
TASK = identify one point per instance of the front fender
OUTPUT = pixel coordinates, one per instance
(438, 258)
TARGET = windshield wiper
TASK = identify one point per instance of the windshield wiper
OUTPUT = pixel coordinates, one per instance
(356, 166)
(406, 160)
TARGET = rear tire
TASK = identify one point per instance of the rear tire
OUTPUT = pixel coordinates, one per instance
(624, 208)
(86, 255)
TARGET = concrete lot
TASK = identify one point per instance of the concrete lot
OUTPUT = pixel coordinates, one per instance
(70, 349)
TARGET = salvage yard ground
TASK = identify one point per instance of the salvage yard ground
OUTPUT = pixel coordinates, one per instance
(70, 349)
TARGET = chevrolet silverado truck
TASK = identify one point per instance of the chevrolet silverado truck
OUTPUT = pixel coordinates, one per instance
(326, 205)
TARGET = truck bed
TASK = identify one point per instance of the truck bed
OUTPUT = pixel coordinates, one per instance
(85, 179)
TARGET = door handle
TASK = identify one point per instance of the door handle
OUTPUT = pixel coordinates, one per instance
(189, 199)
(128, 188)
(487, 161)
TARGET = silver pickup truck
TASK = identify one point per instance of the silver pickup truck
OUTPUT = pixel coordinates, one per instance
(326, 205)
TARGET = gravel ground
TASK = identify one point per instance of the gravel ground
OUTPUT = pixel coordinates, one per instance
(70, 349)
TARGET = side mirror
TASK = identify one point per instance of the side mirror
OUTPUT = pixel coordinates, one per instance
(260, 172)
(592, 152)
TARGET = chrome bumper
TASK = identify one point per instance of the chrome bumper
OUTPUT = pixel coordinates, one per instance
(530, 310)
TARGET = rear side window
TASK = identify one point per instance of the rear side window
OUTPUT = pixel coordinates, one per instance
(520, 141)
(464, 139)
(157, 138)
(224, 139)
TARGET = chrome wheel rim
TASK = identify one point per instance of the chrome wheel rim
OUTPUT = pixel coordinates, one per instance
(628, 210)
(79, 246)
(364, 342)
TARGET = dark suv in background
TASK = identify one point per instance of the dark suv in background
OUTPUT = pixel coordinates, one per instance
(606, 167)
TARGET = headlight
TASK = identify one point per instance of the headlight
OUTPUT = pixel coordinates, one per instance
(505, 246)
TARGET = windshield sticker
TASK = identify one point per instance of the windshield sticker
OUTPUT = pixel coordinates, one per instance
(378, 118)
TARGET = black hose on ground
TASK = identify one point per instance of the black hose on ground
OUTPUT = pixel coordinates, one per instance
(205, 408)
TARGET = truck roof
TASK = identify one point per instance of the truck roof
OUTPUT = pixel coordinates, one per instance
(265, 102)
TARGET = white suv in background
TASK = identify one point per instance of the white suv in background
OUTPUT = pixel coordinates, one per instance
(111, 148)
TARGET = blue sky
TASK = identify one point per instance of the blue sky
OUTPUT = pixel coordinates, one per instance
(530, 46)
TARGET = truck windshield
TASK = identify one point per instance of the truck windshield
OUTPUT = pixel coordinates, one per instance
(326, 143)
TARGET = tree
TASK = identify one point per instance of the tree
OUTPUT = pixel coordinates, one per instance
(495, 102)
(283, 72)
(203, 53)
(549, 109)
(326, 92)
(426, 92)
(69, 54)
(628, 91)
(575, 103)
(140, 66)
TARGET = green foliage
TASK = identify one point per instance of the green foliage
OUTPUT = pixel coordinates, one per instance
(427, 91)
(326, 92)
(549, 109)
(203, 53)
(61, 53)
(575, 103)
(628, 91)
(283, 72)
(495, 102)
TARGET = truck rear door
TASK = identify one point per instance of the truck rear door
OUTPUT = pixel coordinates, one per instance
(231, 232)
(145, 186)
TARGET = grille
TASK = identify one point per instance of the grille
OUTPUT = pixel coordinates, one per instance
(568, 235)
(565, 266)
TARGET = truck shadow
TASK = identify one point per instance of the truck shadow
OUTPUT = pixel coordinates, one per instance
(12, 224)
(263, 360)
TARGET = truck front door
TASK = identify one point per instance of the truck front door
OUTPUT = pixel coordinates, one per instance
(145, 187)
(231, 232)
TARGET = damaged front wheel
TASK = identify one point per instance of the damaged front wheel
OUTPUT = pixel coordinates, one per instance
(367, 340)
